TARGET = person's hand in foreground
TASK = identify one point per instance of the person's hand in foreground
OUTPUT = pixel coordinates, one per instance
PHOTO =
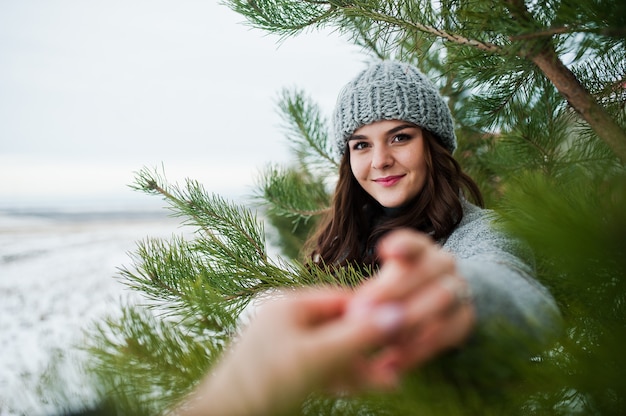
(421, 276)
(296, 344)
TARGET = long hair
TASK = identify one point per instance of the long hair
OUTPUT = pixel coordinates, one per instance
(350, 230)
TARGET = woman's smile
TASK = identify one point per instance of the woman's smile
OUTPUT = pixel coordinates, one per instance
(389, 180)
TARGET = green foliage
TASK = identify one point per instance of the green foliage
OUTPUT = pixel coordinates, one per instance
(496, 47)
(306, 132)
(552, 173)
(578, 225)
(194, 289)
(142, 363)
(542, 161)
(294, 197)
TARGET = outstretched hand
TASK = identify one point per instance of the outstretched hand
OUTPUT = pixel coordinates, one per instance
(422, 277)
(295, 344)
(415, 308)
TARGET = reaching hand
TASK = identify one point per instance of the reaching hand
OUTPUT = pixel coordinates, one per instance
(415, 308)
(296, 344)
(423, 278)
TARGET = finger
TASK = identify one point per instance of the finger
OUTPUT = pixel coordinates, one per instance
(332, 348)
(361, 332)
(434, 264)
(404, 245)
(458, 291)
(329, 351)
(415, 249)
(314, 306)
(392, 283)
(436, 338)
(381, 372)
(398, 279)
(438, 317)
(439, 298)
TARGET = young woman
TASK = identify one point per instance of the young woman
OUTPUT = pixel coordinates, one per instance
(440, 272)
(400, 207)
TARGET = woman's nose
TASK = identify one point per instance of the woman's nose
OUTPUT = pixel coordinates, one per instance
(381, 158)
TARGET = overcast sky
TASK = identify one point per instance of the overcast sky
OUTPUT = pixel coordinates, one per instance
(91, 91)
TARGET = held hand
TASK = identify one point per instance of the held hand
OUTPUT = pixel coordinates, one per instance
(294, 345)
(420, 275)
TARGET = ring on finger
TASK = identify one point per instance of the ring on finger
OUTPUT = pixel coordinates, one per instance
(460, 291)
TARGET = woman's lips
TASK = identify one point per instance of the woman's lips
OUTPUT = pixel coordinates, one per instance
(389, 180)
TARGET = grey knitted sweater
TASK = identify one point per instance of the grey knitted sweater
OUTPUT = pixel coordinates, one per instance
(502, 284)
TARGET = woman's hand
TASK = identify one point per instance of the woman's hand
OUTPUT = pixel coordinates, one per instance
(420, 275)
(300, 342)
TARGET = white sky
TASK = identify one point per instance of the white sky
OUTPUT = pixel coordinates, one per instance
(91, 91)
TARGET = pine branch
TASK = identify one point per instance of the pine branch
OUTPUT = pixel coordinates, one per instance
(542, 54)
(306, 132)
(292, 18)
(582, 101)
(363, 38)
(553, 68)
(211, 214)
(544, 33)
(548, 61)
(291, 194)
(195, 289)
(144, 364)
(414, 25)
(563, 30)
(299, 193)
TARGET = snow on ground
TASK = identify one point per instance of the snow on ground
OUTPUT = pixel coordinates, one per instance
(56, 277)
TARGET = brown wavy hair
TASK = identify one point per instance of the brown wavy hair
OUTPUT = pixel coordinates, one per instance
(355, 221)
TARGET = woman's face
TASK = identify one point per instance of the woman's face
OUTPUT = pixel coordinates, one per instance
(387, 160)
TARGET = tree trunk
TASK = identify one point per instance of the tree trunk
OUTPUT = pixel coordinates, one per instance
(582, 101)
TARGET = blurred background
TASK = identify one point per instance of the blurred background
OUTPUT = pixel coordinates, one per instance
(91, 91)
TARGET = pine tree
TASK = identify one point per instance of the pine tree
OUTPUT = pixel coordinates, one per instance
(538, 91)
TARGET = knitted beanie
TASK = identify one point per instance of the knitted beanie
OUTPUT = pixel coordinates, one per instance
(390, 90)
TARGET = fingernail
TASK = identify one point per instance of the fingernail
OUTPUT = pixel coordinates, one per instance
(388, 317)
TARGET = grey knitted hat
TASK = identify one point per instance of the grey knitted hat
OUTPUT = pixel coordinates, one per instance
(390, 90)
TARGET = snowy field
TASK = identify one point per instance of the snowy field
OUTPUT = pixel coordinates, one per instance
(57, 275)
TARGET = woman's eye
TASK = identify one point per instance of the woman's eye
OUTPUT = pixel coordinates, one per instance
(359, 145)
(401, 138)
